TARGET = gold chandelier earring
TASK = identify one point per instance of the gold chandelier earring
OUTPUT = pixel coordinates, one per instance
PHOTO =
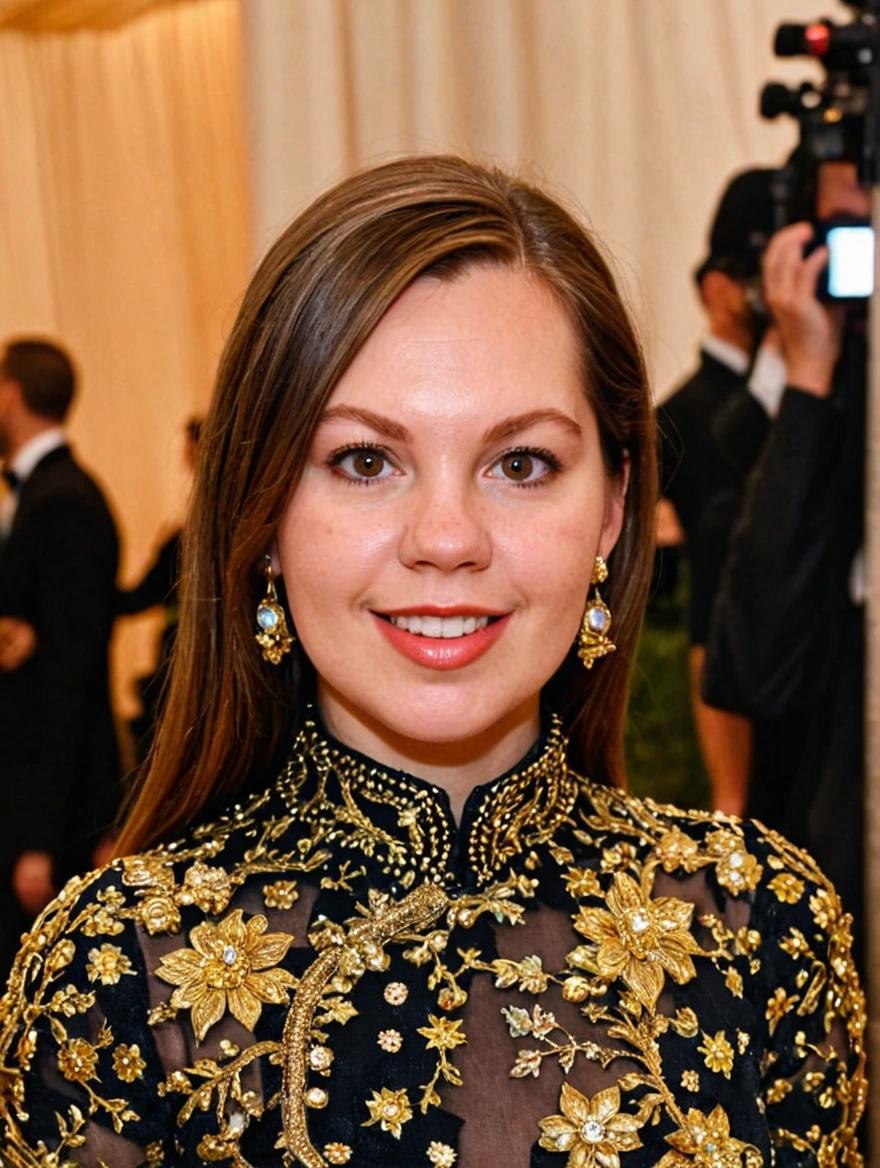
(593, 641)
(273, 635)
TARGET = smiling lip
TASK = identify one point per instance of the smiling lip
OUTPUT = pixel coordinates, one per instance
(442, 652)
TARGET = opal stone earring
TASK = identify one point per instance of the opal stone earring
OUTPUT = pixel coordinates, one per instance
(593, 641)
(273, 635)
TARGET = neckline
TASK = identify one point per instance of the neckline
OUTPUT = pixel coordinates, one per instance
(402, 826)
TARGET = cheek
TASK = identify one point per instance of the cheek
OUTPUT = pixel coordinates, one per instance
(325, 551)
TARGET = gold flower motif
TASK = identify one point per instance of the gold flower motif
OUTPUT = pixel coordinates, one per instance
(676, 849)
(336, 1153)
(159, 914)
(77, 1060)
(231, 966)
(778, 1006)
(640, 940)
(207, 888)
(127, 1063)
(592, 1131)
(742, 1041)
(396, 993)
(736, 869)
(825, 907)
(390, 1109)
(147, 872)
(582, 882)
(442, 1034)
(390, 1041)
(102, 922)
(690, 1080)
(718, 1052)
(788, 888)
(441, 1155)
(778, 1090)
(282, 894)
(107, 964)
(734, 982)
(704, 1141)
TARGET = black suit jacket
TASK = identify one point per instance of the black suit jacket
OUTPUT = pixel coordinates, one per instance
(59, 763)
(692, 471)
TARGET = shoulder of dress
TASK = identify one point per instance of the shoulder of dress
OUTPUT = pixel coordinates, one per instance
(744, 857)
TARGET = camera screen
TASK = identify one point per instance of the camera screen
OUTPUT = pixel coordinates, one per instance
(851, 262)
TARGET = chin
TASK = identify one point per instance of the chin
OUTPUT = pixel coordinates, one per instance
(447, 714)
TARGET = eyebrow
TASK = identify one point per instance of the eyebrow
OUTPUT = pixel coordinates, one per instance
(377, 422)
(497, 433)
(511, 426)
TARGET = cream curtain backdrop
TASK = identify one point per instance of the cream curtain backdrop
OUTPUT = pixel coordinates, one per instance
(124, 232)
(638, 108)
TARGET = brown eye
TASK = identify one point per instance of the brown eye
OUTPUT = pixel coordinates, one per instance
(517, 467)
(367, 464)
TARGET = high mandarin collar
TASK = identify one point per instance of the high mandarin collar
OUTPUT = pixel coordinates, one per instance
(403, 826)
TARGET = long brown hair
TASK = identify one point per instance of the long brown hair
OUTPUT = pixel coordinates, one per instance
(313, 302)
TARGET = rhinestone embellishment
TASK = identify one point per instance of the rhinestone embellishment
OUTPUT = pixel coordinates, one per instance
(593, 1132)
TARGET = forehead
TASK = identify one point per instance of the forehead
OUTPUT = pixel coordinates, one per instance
(490, 339)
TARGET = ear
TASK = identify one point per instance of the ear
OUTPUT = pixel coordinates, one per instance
(615, 499)
(275, 557)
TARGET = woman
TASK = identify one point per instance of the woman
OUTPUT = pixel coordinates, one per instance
(396, 927)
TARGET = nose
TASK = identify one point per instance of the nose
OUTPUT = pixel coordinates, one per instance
(446, 529)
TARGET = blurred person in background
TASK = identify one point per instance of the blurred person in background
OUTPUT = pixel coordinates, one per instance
(59, 764)
(158, 589)
(786, 640)
(693, 469)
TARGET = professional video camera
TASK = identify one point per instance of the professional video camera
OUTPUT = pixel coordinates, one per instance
(839, 120)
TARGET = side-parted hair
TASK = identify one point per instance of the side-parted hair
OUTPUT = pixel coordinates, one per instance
(45, 373)
(322, 288)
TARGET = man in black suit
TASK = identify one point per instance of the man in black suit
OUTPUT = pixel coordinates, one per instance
(59, 763)
(694, 468)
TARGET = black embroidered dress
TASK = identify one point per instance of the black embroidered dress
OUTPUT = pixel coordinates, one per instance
(335, 973)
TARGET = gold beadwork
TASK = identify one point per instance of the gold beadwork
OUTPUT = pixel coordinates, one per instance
(273, 635)
(593, 640)
(418, 910)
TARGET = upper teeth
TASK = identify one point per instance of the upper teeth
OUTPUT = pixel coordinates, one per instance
(440, 626)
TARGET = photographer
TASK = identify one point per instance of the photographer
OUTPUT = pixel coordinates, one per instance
(786, 640)
(695, 471)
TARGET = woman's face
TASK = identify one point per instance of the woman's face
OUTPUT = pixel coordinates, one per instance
(437, 553)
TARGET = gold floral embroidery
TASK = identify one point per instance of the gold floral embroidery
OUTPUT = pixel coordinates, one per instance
(107, 965)
(441, 1155)
(127, 1063)
(282, 894)
(593, 1131)
(690, 1080)
(390, 1041)
(705, 1141)
(736, 869)
(788, 888)
(337, 1153)
(396, 993)
(718, 1052)
(231, 966)
(778, 1006)
(582, 882)
(78, 1060)
(390, 1109)
(206, 887)
(639, 939)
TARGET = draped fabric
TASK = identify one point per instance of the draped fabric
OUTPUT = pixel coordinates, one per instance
(124, 233)
(70, 15)
(638, 111)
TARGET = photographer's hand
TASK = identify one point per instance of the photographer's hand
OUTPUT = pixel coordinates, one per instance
(811, 331)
